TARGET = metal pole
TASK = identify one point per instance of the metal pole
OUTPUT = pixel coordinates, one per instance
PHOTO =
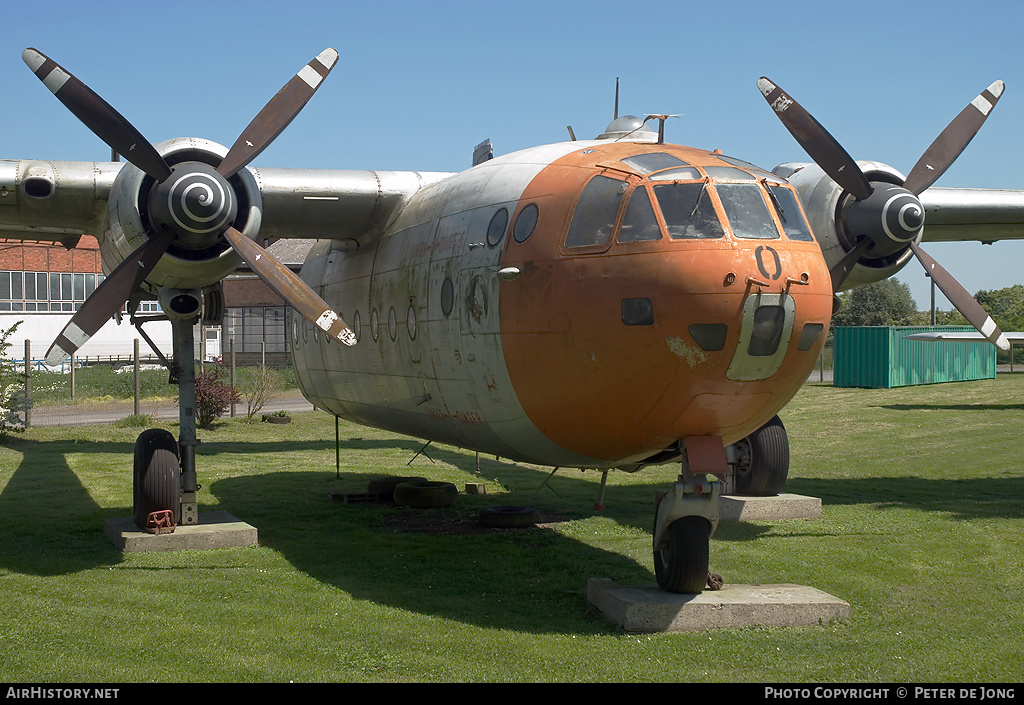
(231, 378)
(28, 383)
(138, 404)
(72, 377)
(337, 449)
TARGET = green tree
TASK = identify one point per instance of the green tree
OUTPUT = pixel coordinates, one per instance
(1006, 306)
(884, 303)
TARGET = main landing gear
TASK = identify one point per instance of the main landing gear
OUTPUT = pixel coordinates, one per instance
(164, 475)
(687, 515)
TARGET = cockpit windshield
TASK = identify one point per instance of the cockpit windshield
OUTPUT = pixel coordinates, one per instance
(793, 222)
(688, 211)
(746, 211)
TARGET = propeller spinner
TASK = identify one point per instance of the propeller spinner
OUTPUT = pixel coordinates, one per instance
(191, 201)
(887, 217)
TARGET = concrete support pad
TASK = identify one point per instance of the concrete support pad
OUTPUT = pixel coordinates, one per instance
(648, 609)
(782, 506)
(215, 530)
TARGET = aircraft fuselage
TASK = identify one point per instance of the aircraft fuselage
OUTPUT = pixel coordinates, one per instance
(584, 304)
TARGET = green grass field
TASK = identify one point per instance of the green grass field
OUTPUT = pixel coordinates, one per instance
(922, 533)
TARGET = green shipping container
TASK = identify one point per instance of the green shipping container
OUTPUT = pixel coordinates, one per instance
(880, 357)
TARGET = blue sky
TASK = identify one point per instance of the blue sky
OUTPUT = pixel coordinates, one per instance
(419, 84)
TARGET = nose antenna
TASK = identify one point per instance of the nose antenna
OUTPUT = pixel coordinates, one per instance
(616, 116)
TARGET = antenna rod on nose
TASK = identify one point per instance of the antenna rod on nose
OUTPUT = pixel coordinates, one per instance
(616, 116)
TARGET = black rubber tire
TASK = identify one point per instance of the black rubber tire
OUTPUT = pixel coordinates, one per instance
(384, 487)
(156, 476)
(765, 472)
(681, 562)
(508, 517)
(425, 494)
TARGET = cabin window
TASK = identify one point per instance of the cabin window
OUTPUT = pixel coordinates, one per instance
(687, 173)
(496, 228)
(793, 222)
(595, 214)
(526, 221)
(755, 170)
(747, 212)
(688, 211)
(392, 323)
(655, 161)
(447, 296)
(410, 322)
(639, 223)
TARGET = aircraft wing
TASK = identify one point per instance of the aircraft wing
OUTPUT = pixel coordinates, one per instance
(963, 337)
(985, 215)
(55, 201)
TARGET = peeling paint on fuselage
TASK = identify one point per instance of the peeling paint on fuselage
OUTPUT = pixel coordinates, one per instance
(689, 354)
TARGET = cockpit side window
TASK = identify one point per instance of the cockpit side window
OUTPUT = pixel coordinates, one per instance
(793, 222)
(688, 211)
(746, 211)
(594, 217)
(639, 223)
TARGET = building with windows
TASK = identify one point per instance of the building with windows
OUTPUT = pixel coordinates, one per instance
(43, 284)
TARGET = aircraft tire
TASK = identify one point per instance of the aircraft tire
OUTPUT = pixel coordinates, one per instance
(681, 562)
(424, 494)
(508, 517)
(156, 476)
(764, 465)
(384, 487)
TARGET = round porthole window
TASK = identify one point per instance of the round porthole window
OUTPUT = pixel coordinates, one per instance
(447, 297)
(496, 228)
(356, 325)
(374, 325)
(526, 221)
(411, 322)
(392, 323)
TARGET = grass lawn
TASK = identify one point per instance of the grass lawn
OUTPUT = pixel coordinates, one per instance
(922, 533)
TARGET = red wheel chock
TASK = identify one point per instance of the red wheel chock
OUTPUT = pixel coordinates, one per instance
(161, 522)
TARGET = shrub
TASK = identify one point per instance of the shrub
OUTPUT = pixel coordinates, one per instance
(258, 385)
(13, 400)
(213, 397)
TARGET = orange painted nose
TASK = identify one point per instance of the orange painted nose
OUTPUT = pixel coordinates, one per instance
(617, 358)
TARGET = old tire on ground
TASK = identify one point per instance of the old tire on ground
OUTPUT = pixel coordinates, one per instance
(424, 494)
(763, 461)
(156, 476)
(384, 487)
(508, 517)
(681, 561)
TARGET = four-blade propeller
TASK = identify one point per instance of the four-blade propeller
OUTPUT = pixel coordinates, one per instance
(188, 199)
(889, 217)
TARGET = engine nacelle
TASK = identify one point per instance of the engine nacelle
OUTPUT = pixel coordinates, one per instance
(828, 208)
(191, 263)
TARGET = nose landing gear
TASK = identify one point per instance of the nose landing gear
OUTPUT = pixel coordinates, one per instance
(687, 516)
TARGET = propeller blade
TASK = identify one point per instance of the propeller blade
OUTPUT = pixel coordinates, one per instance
(108, 297)
(105, 122)
(845, 265)
(286, 284)
(278, 113)
(964, 302)
(816, 141)
(953, 140)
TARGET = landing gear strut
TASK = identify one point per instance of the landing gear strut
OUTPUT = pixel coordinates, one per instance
(157, 459)
(687, 516)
